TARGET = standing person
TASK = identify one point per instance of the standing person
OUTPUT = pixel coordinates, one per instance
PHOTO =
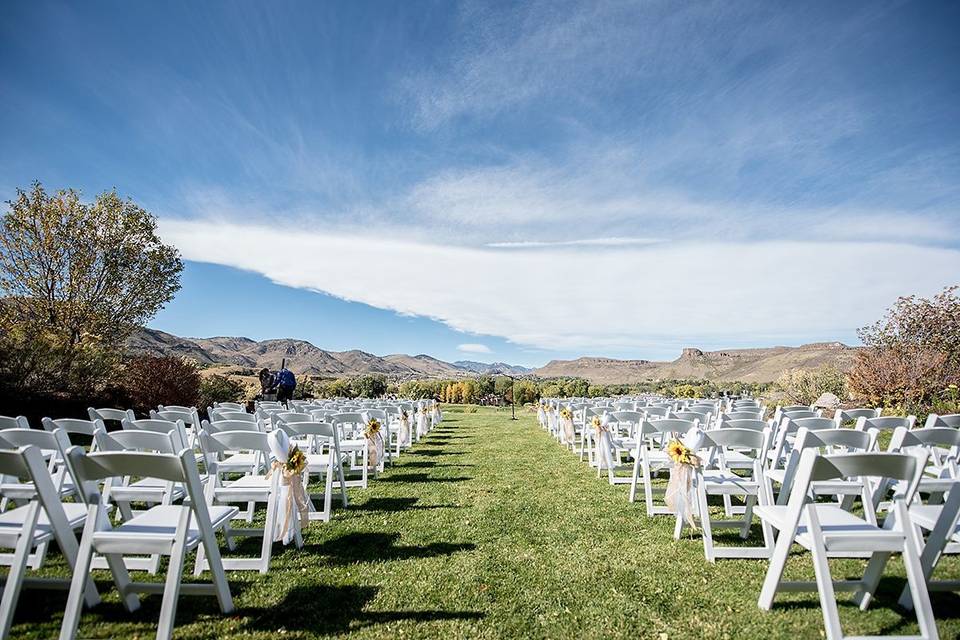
(286, 382)
(266, 382)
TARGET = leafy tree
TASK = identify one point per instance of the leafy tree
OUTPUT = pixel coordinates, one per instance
(369, 386)
(912, 354)
(153, 380)
(76, 280)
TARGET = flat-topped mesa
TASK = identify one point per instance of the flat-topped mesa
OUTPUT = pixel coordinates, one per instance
(691, 353)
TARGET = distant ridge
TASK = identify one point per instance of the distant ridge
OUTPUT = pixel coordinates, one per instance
(746, 365)
(302, 357)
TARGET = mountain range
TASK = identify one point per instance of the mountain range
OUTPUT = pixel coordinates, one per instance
(302, 357)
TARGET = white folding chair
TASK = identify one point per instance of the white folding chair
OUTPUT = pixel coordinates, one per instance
(251, 488)
(323, 459)
(53, 446)
(723, 481)
(649, 459)
(827, 528)
(39, 520)
(170, 530)
(826, 441)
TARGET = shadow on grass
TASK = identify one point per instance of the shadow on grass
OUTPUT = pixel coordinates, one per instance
(396, 504)
(380, 547)
(330, 610)
(42, 607)
(421, 477)
(437, 452)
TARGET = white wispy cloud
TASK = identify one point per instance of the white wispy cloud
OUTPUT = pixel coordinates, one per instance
(473, 347)
(560, 298)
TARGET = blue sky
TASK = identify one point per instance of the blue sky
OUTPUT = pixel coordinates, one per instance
(536, 180)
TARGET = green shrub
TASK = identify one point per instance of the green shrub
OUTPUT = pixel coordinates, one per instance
(218, 388)
(801, 386)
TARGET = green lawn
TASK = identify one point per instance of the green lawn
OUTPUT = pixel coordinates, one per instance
(488, 528)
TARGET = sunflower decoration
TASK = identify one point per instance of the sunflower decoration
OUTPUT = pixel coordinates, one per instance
(566, 414)
(372, 429)
(296, 461)
(404, 415)
(548, 408)
(597, 423)
(682, 454)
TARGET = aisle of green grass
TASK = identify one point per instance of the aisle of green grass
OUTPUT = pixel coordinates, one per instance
(488, 528)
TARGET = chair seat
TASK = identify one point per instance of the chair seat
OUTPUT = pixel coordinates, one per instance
(937, 485)
(140, 490)
(841, 530)
(925, 515)
(158, 524)
(238, 461)
(11, 522)
(245, 489)
(719, 482)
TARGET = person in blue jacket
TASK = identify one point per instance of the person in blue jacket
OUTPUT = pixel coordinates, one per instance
(286, 382)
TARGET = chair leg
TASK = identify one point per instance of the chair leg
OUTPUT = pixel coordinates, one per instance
(71, 614)
(633, 480)
(917, 580)
(705, 523)
(821, 568)
(778, 562)
(171, 588)
(21, 557)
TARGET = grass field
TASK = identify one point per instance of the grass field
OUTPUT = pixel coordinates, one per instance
(489, 529)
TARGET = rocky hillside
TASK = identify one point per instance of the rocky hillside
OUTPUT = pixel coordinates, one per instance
(747, 365)
(302, 357)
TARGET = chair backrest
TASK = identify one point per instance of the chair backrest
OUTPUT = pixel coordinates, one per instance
(138, 440)
(106, 414)
(689, 415)
(290, 417)
(160, 426)
(904, 469)
(746, 423)
(231, 425)
(800, 413)
(927, 437)
(750, 441)
(233, 415)
(224, 442)
(655, 412)
(73, 425)
(851, 415)
(176, 407)
(889, 423)
(228, 406)
(813, 424)
(189, 418)
(951, 420)
(10, 422)
(795, 407)
(55, 440)
(668, 425)
(743, 415)
(323, 430)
